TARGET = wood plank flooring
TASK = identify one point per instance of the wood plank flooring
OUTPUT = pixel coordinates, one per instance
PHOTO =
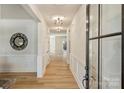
(57, 76)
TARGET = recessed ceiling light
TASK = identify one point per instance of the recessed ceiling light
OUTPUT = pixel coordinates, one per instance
(58, 17)
(59, 28)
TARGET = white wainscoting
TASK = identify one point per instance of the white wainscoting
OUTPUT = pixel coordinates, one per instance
(45, 62)
(18, 63)
(77, 68)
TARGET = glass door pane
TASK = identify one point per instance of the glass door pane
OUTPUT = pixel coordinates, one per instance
(93, 21)
(110, 46)
(111, 19)
(93, 64)
(111, 62)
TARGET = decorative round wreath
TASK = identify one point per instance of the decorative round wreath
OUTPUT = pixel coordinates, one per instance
(18, 41)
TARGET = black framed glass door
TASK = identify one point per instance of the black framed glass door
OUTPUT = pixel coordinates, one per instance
(105, 46)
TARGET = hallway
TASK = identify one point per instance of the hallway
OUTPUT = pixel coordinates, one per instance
(89, 37)
(58, 75)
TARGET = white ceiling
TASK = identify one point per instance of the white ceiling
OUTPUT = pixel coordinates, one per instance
(50, 10)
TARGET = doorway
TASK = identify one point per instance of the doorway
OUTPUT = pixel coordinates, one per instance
(58, 45)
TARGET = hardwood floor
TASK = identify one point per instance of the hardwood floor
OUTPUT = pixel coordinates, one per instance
(58, 75)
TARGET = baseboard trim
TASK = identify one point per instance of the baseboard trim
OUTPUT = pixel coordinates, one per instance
(76, 78)
(19, 73)
(44, 71)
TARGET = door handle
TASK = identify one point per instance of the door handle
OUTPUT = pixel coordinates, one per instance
(83, 82)
(86, 78)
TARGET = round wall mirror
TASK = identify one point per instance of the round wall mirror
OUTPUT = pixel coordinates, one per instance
(18, 41)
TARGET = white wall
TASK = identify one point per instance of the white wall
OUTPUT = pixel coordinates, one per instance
(77, 44)
(13, 60)
(43, 43)
(68, 46)
(52, 44)
(43, 48)
(15, 18)
(14, 11)
(13, 22)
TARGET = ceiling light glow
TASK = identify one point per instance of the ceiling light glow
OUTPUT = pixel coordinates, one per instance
(58, 20)
(59, 29)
